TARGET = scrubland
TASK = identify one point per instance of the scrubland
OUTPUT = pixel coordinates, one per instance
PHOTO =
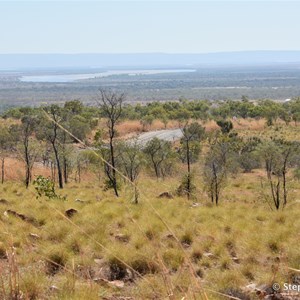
(161, 248)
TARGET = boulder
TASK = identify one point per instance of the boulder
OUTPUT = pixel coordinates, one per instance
(71, 212)
(23, 217)
(122, 237)
(4, 201)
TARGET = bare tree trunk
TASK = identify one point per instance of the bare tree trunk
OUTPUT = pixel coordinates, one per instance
(59, 171)
(189, 169)
(284, 189)
(27, 162)
(216, 187)
(278, 195)
(114, 178)
(136, 195)
(156, 170)
(2, 169)
(65, 170)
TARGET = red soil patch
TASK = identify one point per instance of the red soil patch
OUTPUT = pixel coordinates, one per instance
(15, 169)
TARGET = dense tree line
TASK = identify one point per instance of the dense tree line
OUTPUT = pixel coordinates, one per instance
(183, 109)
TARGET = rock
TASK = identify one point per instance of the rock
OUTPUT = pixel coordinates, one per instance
(122, 237)
(106, 272)
(101, 271)
(170, 236)
(129, 275)
(4, 201)
(114, 283)
(23, 217)
(264, 290)
(54, 288)
(236, 260)
(71, 212)
(34, 236)
(117, 283)
(252, 287)
(209, 255)
(185, 245)
(79, 200)
(166, 195)
(99, 261)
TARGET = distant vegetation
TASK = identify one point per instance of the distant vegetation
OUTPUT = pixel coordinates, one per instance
(277, 82)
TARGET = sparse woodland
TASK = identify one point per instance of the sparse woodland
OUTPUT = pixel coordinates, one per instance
(87, 212)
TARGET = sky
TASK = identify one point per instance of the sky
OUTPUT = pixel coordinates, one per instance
(148, 26)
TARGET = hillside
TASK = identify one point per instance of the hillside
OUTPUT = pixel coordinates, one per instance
(163, 237)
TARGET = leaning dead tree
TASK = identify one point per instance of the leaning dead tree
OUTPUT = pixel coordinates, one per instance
(111, 105)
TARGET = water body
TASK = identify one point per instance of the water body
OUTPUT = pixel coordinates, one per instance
(74, 77)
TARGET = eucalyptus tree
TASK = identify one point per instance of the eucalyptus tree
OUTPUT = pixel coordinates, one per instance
(278, 157)
(111, 105)
(192, 135)
(131, 162)
(51, 132)
(23, 136)
(219, 163)
(160, 155)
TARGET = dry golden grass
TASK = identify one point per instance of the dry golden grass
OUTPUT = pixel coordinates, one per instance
(228, 247)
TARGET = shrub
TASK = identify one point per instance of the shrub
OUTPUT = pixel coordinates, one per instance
(186, 186)
(225, 125)
(45, 187)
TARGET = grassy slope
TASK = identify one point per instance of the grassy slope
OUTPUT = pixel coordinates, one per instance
(240, 242)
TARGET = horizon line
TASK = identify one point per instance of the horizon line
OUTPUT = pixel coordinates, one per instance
(142, 53)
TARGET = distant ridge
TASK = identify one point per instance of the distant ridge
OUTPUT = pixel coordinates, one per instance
(139, 60)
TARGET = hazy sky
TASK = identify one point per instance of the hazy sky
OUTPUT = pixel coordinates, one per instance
(148, 26)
